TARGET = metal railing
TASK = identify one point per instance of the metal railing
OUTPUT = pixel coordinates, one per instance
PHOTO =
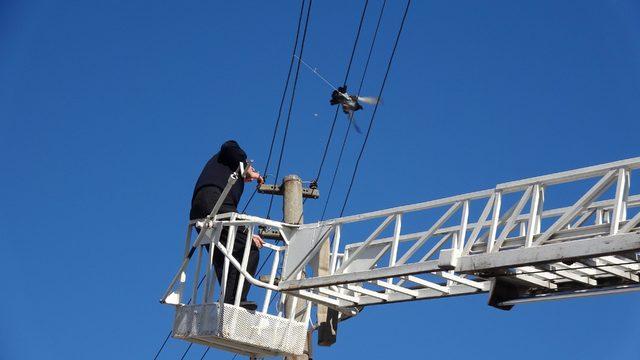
(464, 242)
(203, 275)
(458, 255)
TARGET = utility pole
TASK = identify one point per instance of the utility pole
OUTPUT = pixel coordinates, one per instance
(292, 209)
(292, 199)
(293, 192)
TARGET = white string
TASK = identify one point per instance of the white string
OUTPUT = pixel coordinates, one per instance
(315, 71)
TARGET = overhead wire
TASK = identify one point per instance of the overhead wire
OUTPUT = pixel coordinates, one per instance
(207, 350)
(275, 130)
(293, 56)
(333, 122)
(346, 77)
(171, 331)
(304, 36)
(282, 99)
(186, 351)
(353, 51)
(163, 344)
(293, 96)
(346, 135)
(375, 109)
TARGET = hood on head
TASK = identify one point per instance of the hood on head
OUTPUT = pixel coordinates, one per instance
(231, 154)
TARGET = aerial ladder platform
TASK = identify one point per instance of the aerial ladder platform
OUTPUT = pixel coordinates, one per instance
(565, 235)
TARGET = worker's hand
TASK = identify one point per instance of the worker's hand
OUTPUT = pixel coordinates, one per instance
(251, 174)
(257, 240)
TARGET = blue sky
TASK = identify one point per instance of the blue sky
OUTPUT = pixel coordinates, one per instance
(108, 110)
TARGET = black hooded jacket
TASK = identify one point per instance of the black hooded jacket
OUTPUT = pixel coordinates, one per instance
(216, 173)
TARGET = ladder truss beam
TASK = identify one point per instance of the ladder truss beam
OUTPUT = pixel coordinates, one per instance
(588, 248)
(505, 239)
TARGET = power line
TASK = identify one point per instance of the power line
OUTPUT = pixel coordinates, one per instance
(293, 56)
(171, 332)
(207, 350)
(289, 118)
(286, 87)
(355, 45)
(375, 109)
(163, 344)
(186, 351)
(373, 42)
(295, 82)
(255, 190)
(284, 93)
(346, 135)
(293, 95)
(346, 77)
(335, 171)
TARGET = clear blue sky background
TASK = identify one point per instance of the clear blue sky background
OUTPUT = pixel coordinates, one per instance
(108, 110)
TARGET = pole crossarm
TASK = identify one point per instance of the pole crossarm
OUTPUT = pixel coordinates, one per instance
(307, 192)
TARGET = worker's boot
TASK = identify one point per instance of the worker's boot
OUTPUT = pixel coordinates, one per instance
(249, 305)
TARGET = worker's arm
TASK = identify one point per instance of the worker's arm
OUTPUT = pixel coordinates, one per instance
(257, 241)
(251, 174)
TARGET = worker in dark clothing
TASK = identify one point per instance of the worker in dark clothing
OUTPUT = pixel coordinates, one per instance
(206, 193)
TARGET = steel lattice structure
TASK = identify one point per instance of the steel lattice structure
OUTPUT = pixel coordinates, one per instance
(508, 241)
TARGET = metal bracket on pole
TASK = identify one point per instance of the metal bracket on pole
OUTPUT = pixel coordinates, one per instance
(311, 192)
(270, 233)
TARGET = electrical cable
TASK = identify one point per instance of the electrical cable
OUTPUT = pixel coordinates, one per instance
(293, 96)
(186, 351)
(293, 56)
(286, 87)
(270, 148)
(346, 77)
(272, 140)
(295, 82)
(288, 122)
(375, 109)
(163, 344)
(346, 135)
(255, 190)
(284, 93)
(171, 332)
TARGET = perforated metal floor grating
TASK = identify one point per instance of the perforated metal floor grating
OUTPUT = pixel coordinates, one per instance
(239, 329)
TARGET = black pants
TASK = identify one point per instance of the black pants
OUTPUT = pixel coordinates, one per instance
(201, 206)
(233, 274)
